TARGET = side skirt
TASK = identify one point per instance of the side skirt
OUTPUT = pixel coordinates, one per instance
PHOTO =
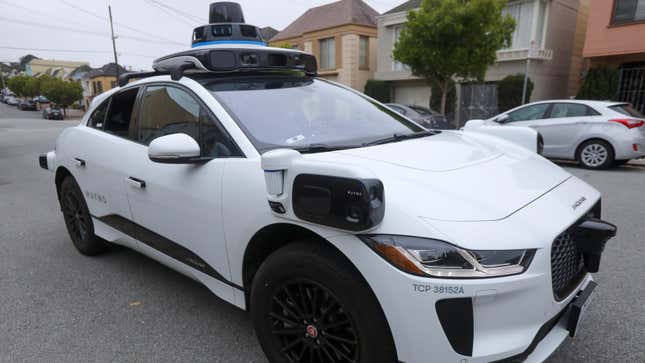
(165, 246)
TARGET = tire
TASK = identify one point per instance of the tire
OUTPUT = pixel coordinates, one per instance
(323, 309)
(595, 154)
(78, 220)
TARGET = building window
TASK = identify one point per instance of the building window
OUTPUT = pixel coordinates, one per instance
(364, 52)
(525, 13)
(99, 87)
(396, 65)
(627, 11)
(112, 84)
(328, 53)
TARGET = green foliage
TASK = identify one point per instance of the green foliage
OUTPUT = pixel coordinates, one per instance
(18, 84)
(509, 92)
(448, 39)
(62, 93)
(285, 45)
(599, 84)
(451, 100)
(378, 90)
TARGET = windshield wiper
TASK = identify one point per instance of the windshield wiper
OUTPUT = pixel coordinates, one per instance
(319, 148)
(398, 137)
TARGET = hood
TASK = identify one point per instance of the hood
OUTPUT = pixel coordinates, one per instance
(452, 177)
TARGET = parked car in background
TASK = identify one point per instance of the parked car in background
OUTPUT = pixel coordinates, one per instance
(27, 105)
(11, 101)
(53, 113)
(424, 116)
(41, 99)
(596, 134)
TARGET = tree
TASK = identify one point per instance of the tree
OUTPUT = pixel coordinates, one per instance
(599, 84)
(18, 84)
(447, 39)
(509, 92)
(62, 93)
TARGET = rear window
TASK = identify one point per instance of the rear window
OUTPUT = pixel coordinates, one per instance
(627, 110)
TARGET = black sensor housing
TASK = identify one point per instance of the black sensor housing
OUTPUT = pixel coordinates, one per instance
(343, 203)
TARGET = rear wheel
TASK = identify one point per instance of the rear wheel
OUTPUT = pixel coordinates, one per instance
(595, 154)
(78, 220)
(309, 306)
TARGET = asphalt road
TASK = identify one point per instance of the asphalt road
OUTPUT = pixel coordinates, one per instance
(59, 306)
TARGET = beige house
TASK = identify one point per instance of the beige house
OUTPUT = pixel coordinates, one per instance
(54, 68)
(548, 32)
(342, 36)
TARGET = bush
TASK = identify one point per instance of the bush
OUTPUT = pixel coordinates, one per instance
(509, 92)
(599, 84)
(379, 90)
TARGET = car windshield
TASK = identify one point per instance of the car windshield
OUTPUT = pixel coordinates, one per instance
(305, 113)
(627, 110)
(422, 110)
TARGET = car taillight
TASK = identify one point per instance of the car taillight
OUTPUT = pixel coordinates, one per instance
(630, 123)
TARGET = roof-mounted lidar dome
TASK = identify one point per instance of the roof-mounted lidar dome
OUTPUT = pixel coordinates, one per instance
(226, 26)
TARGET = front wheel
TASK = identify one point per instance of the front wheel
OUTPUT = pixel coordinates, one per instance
(596, 154)
(308, 305)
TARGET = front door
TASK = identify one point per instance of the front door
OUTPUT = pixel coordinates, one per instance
(177, 207)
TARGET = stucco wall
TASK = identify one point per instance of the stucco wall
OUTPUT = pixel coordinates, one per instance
(412, 92)
(604, 39)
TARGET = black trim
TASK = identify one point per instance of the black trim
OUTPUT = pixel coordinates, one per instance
(42, 161)
(164, 245)
(456, 317)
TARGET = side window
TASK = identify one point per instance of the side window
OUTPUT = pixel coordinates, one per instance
(397, 109)
(119, 116)
(168, 110)
(98, 116)
(533, 112)
(570, 110)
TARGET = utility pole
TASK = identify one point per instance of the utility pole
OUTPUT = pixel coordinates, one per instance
(116, 60)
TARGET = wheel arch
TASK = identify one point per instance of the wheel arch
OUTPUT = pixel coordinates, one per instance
(272, 237)
(61, 173)
(597, 138)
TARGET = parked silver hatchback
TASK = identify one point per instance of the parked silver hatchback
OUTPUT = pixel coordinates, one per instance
(597, 134)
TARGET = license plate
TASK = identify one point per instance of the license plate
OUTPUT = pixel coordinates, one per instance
(578, 308)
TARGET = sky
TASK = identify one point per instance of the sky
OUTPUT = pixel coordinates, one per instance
(79, 30)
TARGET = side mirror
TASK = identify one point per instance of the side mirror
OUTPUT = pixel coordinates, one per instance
(503, 119)
(175, 149)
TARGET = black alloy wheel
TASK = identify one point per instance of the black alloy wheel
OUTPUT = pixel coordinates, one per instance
(78, 220)
(309, 304)
(311, 325)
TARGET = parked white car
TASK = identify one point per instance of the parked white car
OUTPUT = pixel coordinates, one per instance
(349, 232)
(597, 134)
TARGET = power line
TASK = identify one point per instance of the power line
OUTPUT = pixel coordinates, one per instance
(78, 31)
(93, 51)
(169, 13)
(154, 36)
(186, 15)
(35, 11)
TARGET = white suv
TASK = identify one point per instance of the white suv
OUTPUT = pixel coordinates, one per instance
(348, 232)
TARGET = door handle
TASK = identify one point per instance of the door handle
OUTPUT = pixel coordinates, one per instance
(79, 162)
(137, 183)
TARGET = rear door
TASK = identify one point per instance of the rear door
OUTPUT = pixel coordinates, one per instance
(177, 208)
(103, 159)
(567, 122)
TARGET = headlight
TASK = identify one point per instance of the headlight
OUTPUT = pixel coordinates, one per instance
(431, 257)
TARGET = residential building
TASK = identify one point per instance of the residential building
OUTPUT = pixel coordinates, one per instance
(54, 68)
(99, 80)
(616, 37)
(545, 34)
(268, 33)
(342, 36)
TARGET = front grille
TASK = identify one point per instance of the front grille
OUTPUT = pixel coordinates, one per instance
(567, 265)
